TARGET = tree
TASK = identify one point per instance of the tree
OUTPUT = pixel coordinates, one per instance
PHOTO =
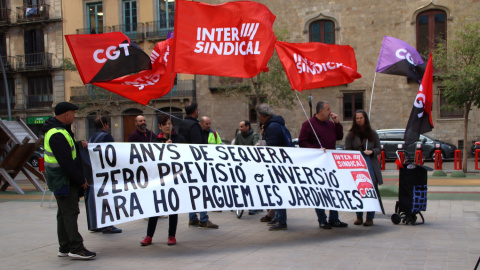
(273, 84)
(458, 63)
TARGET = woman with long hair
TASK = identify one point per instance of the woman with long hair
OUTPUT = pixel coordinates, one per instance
(363, 138)
(167, 135)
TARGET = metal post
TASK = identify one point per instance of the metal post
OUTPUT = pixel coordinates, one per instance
(7, 93)
(310, 104)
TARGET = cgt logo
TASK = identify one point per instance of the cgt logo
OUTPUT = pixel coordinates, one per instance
(364, 184)
(404, 54)
(111, 53)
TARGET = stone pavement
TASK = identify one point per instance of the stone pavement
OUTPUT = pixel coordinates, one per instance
(449, 239)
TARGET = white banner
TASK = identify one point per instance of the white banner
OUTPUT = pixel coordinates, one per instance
(139, 180)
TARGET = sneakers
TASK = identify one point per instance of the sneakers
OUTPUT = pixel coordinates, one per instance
(325, 225)
(61, 254)
(193, 223)
(146, 241)
(265, 219)
(208, 224)
(171, 241)
(339, 224)
(82, 254)
(359, 221)
(112, 229)
(368, 222)
(278, 227)
(272, 223)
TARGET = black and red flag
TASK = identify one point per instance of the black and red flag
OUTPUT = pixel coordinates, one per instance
(420, 120)
(104, 57)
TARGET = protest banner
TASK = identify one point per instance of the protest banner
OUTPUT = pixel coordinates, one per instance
(139, 180)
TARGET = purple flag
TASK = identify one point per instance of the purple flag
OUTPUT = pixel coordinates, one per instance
(399, 58)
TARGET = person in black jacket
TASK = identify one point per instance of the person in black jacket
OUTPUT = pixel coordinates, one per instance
(166, 136)
(66, 179)
(191, 130)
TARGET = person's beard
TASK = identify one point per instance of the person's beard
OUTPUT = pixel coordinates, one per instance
(142, 127)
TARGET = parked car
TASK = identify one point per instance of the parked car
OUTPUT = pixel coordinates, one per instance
(36, 155)
(392, 138)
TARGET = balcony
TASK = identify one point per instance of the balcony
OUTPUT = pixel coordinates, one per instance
(34, 13)
(3, 104)
(157, 30)
(94, 30)
(134, 31)
(34, 61)
(5, 16)
(40, 101)
(8, 63)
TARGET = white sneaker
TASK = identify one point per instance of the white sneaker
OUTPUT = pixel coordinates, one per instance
(61, 254)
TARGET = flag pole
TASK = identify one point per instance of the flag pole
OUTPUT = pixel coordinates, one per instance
(296, 94)
(371, 98)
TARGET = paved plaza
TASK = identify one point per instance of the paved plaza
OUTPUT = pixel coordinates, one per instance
(449, 239)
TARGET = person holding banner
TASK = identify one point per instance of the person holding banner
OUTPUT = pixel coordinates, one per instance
(65, 179)
(363, 138)
(141, 134)
(273, 135)
(191, 130)
(325, 133)
(166, 136)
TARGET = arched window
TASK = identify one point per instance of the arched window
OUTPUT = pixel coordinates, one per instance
(322, 31)
(431, 29)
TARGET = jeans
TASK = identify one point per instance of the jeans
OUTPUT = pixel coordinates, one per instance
(370, 215)
(193, 216)
(322, 217)
(281, 216)
(69, 238)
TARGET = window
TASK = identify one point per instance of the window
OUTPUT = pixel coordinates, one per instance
(166, 13)
(447, 110)
(95, 18)
(351, 103)
(130, 16)
(322, 31)
(40, 91)
(431, 29)
(34, 47)
(252, 113)
(11, 93)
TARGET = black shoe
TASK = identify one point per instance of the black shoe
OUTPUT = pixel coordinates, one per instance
(82, 254)
(339, 224)
(278, 227)
(97, 230)
(273, 222)
(112, 229)
(252, 212)
(325, 225)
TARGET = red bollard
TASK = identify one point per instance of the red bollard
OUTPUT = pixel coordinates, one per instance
(458, 158)
(477, 154)
(419, 157)
(402, 159)
(381, 160)
(438, 160)
(41, 164)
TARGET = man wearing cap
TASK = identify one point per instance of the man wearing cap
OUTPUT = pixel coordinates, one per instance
(65, 179)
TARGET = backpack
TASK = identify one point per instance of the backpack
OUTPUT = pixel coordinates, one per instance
(287, 137)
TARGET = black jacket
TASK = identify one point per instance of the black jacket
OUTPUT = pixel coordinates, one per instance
(191, 130)
(273, 134)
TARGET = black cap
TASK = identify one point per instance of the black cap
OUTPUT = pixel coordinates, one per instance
(64, 107)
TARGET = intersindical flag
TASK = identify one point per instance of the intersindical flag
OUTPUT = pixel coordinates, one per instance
(420, 120)
(103, 57)
(316, 65)
(399, 58)
(148, 84)
(234, 39)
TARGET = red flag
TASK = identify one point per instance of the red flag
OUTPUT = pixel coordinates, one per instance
(103, 57)
(420, 120)
(315, 65)
(234, 39)
(148, 84)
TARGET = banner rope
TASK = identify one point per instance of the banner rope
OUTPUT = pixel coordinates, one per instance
(308, 119)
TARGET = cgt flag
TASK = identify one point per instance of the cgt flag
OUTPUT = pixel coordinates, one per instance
(103, 57)
(148, 84)
(315, 65)
(234, 39)
(399, 58)
(420, 120)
